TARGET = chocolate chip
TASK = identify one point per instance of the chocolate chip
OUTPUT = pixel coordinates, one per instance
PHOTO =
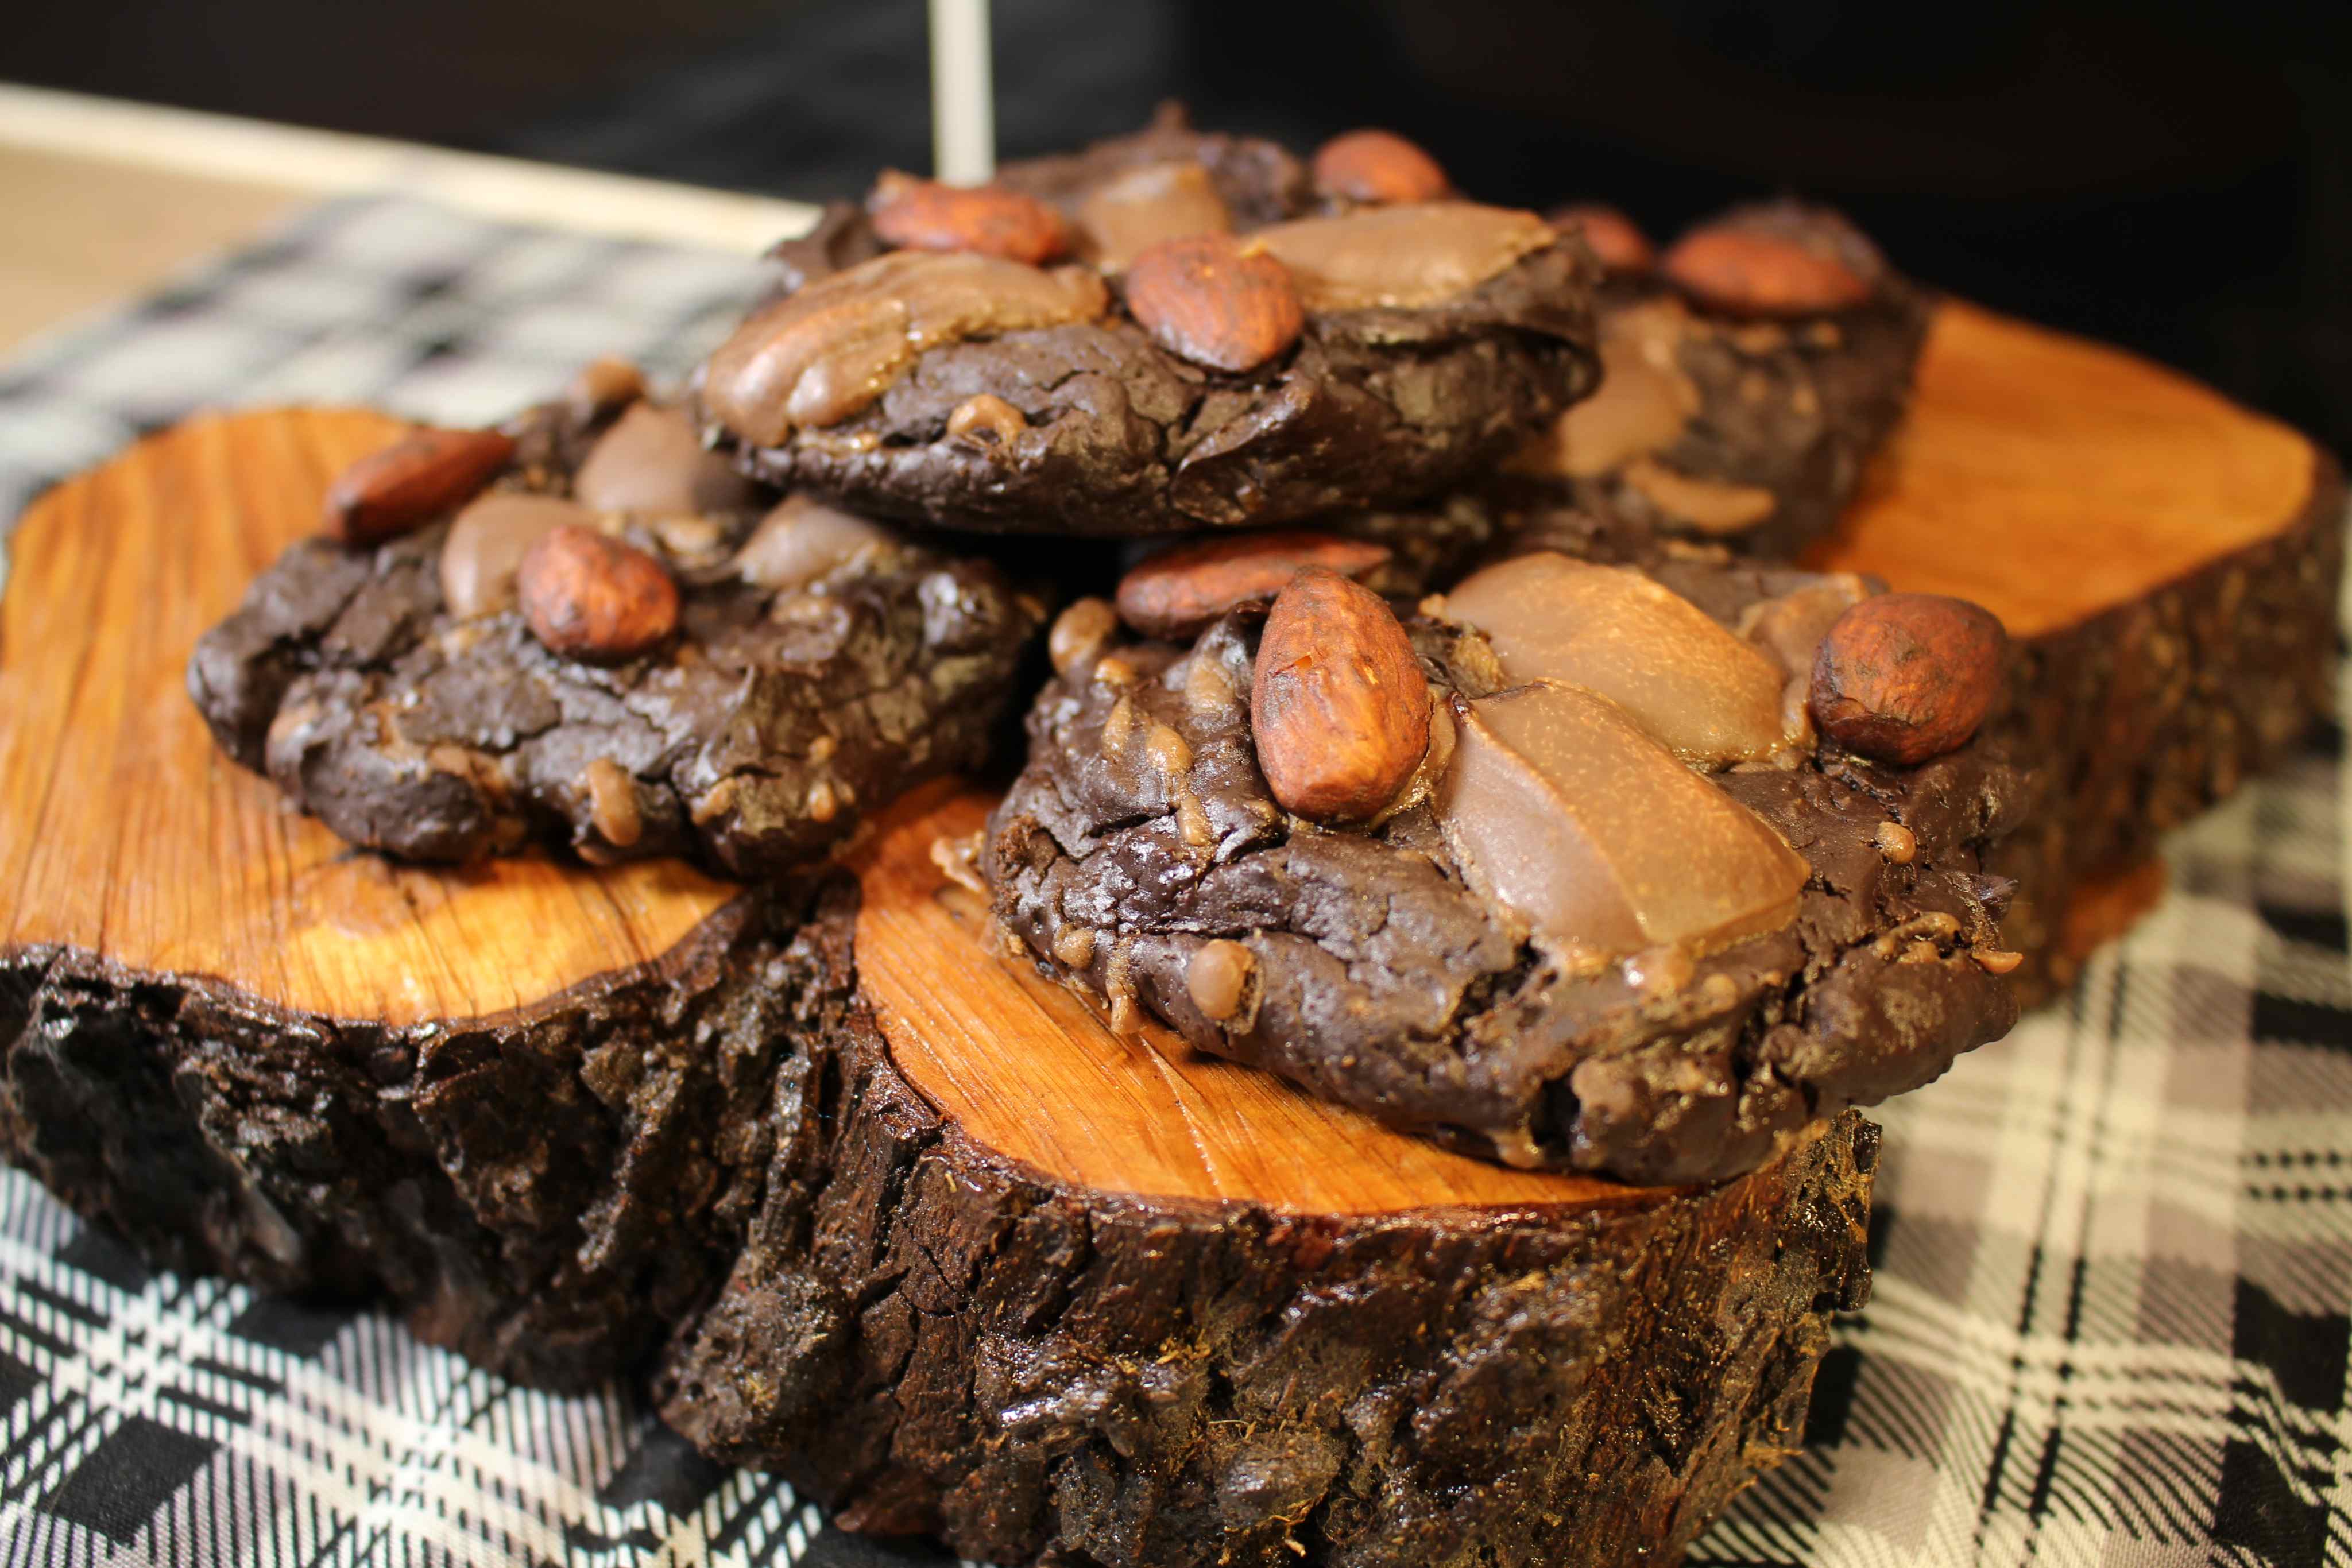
(803, 540)
(652, 461)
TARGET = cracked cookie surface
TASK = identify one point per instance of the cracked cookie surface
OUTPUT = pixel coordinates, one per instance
(1142, 855)
(1748, 426)
(1430, 349)
(819, 664)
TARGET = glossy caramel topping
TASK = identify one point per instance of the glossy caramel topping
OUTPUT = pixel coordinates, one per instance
(1562, 810)
(487, 544)
(1707, 696)
(651, 461)
(1405, 256)
(820, 355)
(1146, 205)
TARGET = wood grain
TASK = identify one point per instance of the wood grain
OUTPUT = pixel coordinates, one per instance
(2051, 479)
(131, 836)
(1023, 1064)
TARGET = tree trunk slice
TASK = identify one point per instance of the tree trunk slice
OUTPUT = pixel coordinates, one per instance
(910, 1223)
(2167, 562)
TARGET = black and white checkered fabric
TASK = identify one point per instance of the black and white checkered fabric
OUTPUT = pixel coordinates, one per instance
(2113, 1253)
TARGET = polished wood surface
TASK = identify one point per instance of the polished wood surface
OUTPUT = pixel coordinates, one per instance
(128, 834)
(2049, 478)
(1023, 1064)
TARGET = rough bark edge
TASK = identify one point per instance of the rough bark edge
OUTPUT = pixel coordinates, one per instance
(545, 1191)
(2155, 710)
(915, 1327)
(936, 1339)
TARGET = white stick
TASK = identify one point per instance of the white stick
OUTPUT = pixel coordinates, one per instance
(964, 102)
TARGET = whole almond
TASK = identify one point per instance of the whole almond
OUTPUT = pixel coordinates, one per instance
(1615, 238)
(1178, 591)
(1377, 166)
(592, 598)
(1749, 272)
(1907, 676)
(416, 479)
(923, 214)
(1338, 707)
(1215, 301)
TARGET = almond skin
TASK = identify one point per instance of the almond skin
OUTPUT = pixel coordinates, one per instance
(1615, 238)
(1748, 272)
(592, 598)
(1338, 706)
(1377, 166)
(1907, 676)
(923, 214)
(1179, 591)
(416, 479)
(1215, 301)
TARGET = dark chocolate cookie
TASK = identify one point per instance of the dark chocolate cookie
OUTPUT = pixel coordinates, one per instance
(619, 645)
(1124, 341)
(1557, 870)
(1747, 375)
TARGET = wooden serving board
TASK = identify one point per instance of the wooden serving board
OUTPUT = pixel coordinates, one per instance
(904, 1219)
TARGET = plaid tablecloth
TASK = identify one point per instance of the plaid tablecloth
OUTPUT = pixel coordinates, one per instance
(2113, 1253)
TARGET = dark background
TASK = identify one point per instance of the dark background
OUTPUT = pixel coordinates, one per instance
(2174, 177)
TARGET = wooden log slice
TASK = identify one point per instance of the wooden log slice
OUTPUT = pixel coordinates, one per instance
(2167, 561)
(912, 1226)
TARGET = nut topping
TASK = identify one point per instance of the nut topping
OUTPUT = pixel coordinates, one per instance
(1615, 238)
(1178, 591)
(1377, 167)
(1747, 270)
(1143, 206)
(923, 214)
(416, 479)
(1215, 301)
(985, 423)
(1217, 978)
(1792, 625)
(592, 598)
(486, 543)
(816, 357)
(1079, 634)
(1338, 707)
(1406, 257)
(1907, 676)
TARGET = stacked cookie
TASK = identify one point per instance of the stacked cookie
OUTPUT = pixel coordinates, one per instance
(1456, 742)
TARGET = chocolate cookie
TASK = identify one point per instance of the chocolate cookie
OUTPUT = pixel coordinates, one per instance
(1123, 342)
(587, 630)
(1748, 374)
(1557, 870)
